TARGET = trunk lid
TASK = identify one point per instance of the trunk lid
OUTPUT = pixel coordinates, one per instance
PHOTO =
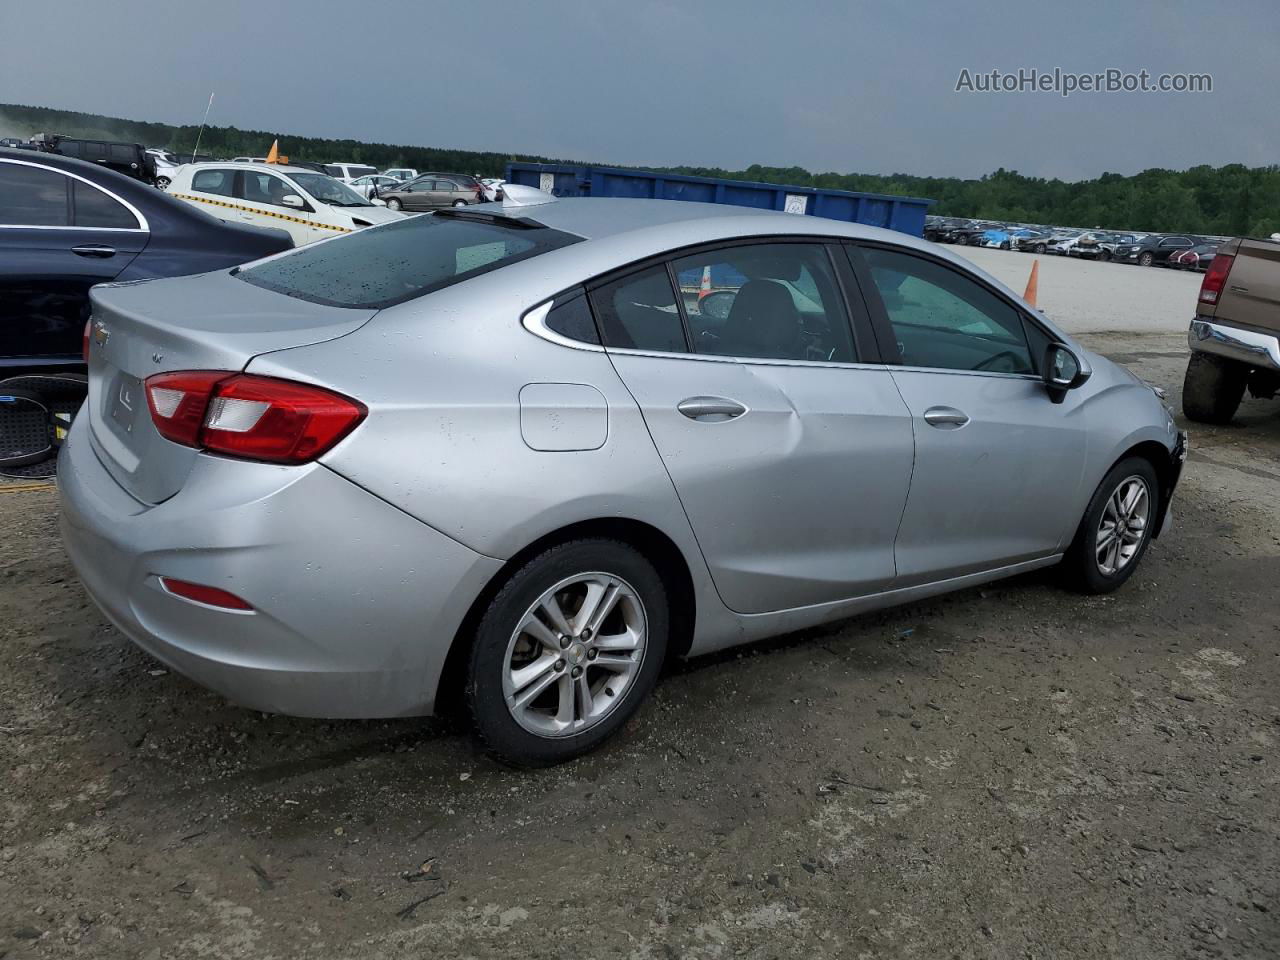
(208, 322)
(1251, 295)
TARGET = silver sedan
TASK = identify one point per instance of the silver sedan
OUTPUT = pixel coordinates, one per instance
(513, 457)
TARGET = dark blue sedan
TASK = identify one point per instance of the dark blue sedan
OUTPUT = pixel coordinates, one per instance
(66, 225)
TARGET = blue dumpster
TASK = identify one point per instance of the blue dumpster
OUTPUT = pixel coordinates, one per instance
(905, 214)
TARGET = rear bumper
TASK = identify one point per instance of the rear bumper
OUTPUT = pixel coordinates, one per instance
(355, 603)
(1251, 347)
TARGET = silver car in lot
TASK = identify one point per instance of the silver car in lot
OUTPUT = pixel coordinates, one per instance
(503, 458)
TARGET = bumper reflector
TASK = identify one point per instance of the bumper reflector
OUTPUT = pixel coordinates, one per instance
(203, 594)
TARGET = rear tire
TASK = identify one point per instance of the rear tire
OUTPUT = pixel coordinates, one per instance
(394, 204)
(459, 203)
(1040, 248)
(1114, 534)
(1213, 388)
(545, 732)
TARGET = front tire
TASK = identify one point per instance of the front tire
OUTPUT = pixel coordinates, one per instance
(459, 203)
(1213, 388)
(1116, 529)
(566, 652)
(1147, 259)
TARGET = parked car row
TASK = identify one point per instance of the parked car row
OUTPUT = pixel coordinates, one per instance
(1183, 251)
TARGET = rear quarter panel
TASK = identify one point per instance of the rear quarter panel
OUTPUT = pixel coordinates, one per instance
(442, 377)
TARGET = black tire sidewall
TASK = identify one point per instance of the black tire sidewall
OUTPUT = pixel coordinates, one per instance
(493, 722)
(1083, 554)
(1212, 388)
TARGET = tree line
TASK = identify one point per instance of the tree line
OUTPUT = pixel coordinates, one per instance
(1228, 200)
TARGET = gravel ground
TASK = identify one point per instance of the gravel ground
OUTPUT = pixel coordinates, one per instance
(1012, 771)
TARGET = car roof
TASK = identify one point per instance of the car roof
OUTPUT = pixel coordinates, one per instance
(263, 167)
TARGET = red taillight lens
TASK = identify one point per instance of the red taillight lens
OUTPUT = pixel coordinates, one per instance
(84, 344)
(202, 594)
(258, 418)
(178, 402)
(1215, 278)
(276, 420)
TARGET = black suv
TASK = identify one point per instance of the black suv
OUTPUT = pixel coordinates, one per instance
(131, 159)
(1154, 249)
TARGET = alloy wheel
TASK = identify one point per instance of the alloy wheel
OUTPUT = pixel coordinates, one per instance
(573, 655)
(1123, 526)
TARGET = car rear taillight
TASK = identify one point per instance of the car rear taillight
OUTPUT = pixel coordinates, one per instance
(201, 593)
(258, 418)
(1215, 278)
(84, 344)
(178, 401)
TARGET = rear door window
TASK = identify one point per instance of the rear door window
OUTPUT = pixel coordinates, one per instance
(381, 266)
(93, 208)
(218, 182)
(769, 301)
(32, 196)
(640, 312)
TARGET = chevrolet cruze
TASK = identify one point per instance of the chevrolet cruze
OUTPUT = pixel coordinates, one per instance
(515, 456)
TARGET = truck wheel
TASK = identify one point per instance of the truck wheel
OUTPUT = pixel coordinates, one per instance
(1213, 388)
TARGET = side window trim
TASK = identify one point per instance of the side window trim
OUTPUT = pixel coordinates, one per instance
(138, 216)
(862, 321)
(884, 329)
(535, 320)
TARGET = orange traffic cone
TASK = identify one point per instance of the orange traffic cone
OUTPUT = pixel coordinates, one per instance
(1033, 284)
(704, 288)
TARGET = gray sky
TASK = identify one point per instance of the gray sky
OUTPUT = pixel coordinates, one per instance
(849, 86)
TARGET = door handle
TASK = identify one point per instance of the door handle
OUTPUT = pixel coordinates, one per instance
(711, 409)
(945, 418)
(94, 250)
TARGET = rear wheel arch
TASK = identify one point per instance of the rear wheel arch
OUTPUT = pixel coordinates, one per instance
(657, 548)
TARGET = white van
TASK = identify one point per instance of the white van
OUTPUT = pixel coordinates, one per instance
(346, 172)
(401, 173)
(310, 205)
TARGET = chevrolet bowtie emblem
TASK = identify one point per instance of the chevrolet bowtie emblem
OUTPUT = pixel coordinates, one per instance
(100, 333)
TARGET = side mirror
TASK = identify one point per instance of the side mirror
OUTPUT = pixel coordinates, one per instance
(293, 200)
(1063, 371)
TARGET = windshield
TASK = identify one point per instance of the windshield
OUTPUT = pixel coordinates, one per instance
(380, 266)
(328, 190)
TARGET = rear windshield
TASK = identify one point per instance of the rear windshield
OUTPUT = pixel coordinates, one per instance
(380, 266)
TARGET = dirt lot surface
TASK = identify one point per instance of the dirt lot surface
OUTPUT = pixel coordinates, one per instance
(1013, 771)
